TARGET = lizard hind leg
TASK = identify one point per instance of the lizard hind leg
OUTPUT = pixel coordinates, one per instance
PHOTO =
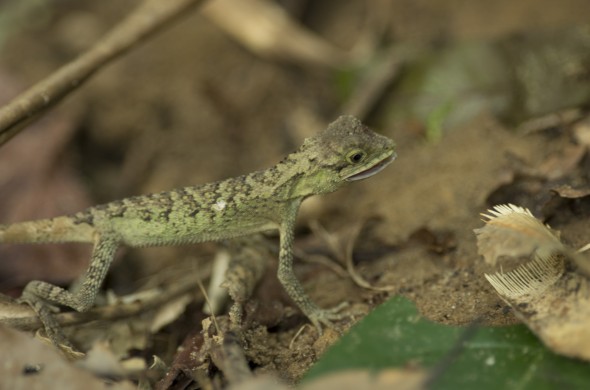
(83, 298)
(39, 295)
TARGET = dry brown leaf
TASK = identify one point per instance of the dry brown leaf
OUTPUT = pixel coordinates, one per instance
(566, 191)
(170, 312)
(563, 163)
(530, 279)
(189, 359)
(262, 382)
(552, 300)
(581, 132)
(512, 231)
(266, 29)
(557, 309)
(216, 291)
(101, 361)
(554, 119)
(32, 365)
(400, 379)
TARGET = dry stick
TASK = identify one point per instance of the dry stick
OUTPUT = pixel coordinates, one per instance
(228, 355)
(150, 17)
(356, 277)
(343, 249)
(112, 312)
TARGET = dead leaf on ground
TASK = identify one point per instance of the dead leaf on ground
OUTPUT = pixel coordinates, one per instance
(187, 362)
(33, 365)
(553, 300)
(512, 231)
(581, 132)
(101, 361)
(563, 163)
(401, 379)
(268, 30)
(566, 191)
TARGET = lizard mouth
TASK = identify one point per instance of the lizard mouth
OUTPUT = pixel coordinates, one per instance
(378, 167)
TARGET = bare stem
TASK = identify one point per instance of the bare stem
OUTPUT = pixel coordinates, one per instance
(147, 19)
(163, 295)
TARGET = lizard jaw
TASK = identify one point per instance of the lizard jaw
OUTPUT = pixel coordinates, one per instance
(378, 167)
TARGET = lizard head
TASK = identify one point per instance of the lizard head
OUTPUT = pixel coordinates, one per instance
(345, 151)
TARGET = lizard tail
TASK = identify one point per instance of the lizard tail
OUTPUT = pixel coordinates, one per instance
(59, 229)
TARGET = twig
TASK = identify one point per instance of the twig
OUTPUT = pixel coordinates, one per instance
(265, 28)
(111, 312)
(204, 292)
(149, 18)
(229, 356)
(326, 261)
(343, 248)
(356, 277)
(299, 332)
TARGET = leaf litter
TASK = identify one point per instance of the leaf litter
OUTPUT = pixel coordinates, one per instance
(552, 298)
(432, 188)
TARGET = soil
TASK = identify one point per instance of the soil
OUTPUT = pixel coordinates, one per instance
(191, 106)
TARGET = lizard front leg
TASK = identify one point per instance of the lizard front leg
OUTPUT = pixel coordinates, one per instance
(37, 293)
(287, 277)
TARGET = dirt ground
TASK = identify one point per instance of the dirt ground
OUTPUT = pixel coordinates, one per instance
(192, 105)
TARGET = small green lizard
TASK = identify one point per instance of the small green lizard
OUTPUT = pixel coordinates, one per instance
(264, 200)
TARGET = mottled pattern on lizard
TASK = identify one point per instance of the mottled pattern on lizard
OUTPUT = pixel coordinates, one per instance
(260, 201)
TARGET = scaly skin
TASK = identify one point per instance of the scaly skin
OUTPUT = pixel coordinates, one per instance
(260, 201)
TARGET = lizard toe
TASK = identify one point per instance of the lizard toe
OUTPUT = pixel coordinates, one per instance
(325, 317)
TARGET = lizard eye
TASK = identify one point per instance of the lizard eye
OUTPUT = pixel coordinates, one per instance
(356, 156)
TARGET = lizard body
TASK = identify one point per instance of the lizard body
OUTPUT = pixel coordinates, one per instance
(260, 201)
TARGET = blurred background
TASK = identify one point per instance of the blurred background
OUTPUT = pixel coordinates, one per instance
(486, 101)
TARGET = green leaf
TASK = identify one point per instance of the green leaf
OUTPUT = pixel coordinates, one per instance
(394, 335)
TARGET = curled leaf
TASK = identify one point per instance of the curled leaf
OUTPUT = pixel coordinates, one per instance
(532, 278)
(513, 231)
(552, 300)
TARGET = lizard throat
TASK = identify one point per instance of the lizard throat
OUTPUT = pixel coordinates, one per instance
(378, 167)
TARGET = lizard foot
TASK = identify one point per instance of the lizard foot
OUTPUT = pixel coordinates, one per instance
(52, 328)
(319, 317)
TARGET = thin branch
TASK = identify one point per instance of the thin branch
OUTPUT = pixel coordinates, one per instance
(147, 19)
(112, 312)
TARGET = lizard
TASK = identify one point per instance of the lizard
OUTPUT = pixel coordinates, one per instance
(344, 152)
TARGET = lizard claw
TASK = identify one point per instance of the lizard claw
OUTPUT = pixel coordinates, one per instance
(53, 330)
(319, 317)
